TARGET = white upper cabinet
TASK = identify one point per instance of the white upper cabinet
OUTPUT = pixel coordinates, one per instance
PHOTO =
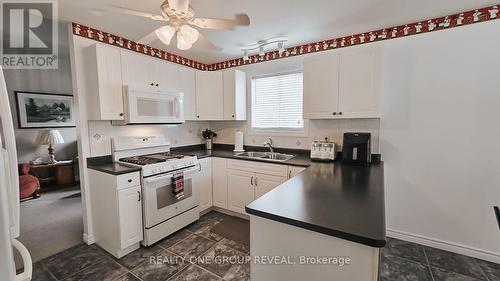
(137, 70)
(359, 83)
(343, 84)
(149, 73)
(235, 98)
(321, 86)
(105, 91)
(209, 95)
(167, 75)
(187, 85)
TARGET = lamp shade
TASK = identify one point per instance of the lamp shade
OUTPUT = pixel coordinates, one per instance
(49, 137)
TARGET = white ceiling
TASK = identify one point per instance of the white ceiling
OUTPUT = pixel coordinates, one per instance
(301, 21)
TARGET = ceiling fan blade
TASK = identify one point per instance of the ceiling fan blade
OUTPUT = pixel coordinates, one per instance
(239, 20)
(204, 42)
(148, 39)
(138, 13)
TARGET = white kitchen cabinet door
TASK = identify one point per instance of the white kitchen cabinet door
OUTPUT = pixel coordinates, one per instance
(187, 85)
(235, 95)
(167, 76)
(130, 213)
(265, 183)
(138, 70)
(294, 170)
(203, 181)
(240, 190)
(105, 95)
(321, 86)
(219, 180)
(358, 83)
(209, 95)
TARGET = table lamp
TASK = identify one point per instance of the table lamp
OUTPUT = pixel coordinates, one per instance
(49, 137)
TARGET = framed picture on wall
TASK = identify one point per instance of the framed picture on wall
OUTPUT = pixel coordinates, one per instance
(41, 110)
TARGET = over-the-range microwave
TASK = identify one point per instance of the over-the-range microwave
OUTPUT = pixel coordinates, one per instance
(144, 106)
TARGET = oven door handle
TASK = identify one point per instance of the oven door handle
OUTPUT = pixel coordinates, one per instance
(168, 176)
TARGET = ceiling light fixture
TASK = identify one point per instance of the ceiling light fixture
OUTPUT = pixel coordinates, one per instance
(165, 34)
(189, 34)
(182, 43)
(261, 44)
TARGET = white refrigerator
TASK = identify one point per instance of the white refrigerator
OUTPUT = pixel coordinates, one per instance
(9, 196)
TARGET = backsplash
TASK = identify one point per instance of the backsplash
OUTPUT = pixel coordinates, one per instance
(317, 130)
(101, 132)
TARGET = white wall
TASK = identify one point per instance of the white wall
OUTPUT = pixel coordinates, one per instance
(440, 138)
(101, 132)
(55, 81)
(316, 129)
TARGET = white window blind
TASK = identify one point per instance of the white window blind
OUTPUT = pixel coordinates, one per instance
(277, 102)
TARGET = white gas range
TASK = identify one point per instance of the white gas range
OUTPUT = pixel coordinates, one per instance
(163, 212)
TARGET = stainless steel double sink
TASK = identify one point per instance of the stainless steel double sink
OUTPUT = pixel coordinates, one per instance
(265, 156)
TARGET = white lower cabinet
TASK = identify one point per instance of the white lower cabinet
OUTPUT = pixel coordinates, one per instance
(236, 183)
(130, 213)
(203, 181)
(294, 170)
(265, 183)
(248, 180)
(240, 189)
(116, 211)
(219, 182)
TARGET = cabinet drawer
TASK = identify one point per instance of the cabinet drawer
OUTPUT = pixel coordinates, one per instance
(258, 167)
(128, 180)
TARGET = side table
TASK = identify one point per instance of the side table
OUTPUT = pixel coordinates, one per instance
(59, 174)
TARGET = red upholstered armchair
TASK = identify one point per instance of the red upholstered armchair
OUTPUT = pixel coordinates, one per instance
(29, 185)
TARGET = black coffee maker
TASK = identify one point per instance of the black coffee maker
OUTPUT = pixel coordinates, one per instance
(356, 149)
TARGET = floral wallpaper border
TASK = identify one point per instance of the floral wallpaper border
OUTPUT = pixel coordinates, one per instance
(431, 25)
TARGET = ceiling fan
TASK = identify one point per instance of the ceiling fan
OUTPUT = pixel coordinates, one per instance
(181, 19)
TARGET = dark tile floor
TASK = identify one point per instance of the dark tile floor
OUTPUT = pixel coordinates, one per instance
(176, 258)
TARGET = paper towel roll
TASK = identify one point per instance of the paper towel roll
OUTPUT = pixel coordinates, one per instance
(238, 141)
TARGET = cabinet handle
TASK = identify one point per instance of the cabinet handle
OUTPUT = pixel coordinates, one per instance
(335, 113)
(256, 181)
(251, 180)
(129, 180)
(199, 169)
(121, 114)
(232, 115)
(340, 113)
(157, 85)
(198, 116)
(139, 196)
(290, 174)
(152, 84)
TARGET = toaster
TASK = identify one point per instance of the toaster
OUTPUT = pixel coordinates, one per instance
(323, 151)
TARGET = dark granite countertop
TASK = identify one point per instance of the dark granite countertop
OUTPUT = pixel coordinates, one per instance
(105, 164)
(334, 199)
(330, 198)
(226, 151)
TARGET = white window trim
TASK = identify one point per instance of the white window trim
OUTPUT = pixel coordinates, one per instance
(304, 132)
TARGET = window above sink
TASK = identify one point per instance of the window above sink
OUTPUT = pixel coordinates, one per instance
(277, 104)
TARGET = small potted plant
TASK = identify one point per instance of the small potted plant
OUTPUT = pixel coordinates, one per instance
(208, 135)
